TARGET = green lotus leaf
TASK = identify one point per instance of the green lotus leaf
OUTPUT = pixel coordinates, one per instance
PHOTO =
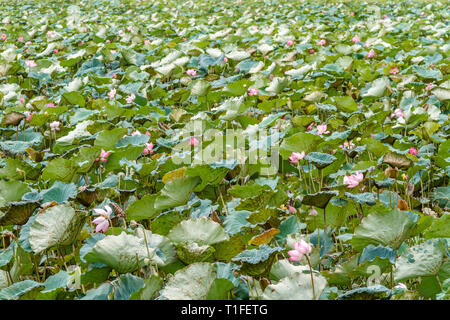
(203, 231)
(176, 193)
(18, 289)
(299, 142)
(388, 228)
(421, 260)
(257, 262)
(376, 292)
(126, 285)
(124, 253)
(440, 228)
(17, 212)
(319, 199)
(396, 160)
(150, 289)
(143, 208)
(102, 292)
(320, 160)
(191, 252)
(296, 286)
(59, 192)
(371, 252)
(362, 198)
(164, 249)
(190, 283)
(55, 226)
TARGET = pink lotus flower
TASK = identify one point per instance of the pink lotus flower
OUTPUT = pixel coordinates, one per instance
(112, 94)
(51, 105)
(353, 180)
(292, 209)
(429, 86)
(253, 92)
(114, 75)
(103, 156)
(130, 98)
(102, 221)
(30, 63)
(146, 41)
(422, 14)
(22, 100)
(311, 125)
(322, 42)
(20, 39)
(83, 188)
(148, 148)
(147, 133)
(55, 126)
(322, 129)
(394, 70)
(29, 115)
(300, 249)
(225, 59)
(193, 141)
(136, 133)
(4, 36)
(55, 50)
(311, 51)
(398, 113)
(289, 42)
(50, 33)
(28, 42)
(130, 29)
(413, 151)
(371, 54)
(296, 157)
(355, 39)
(352, 13)
(191, 72)
(314, 212)
(108, 41)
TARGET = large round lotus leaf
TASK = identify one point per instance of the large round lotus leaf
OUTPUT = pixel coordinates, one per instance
(57, 225)
(296, 286)
(121, 252)
(192, 252)
(388, 228)
(376, 292)
(421, 260)
(17, 212)
(164, 250)
(190, 283)
(202, 231)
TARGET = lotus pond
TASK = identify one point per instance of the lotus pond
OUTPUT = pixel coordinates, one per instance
(224, 150)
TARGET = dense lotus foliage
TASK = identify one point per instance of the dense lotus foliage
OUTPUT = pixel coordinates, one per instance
(101, 193)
